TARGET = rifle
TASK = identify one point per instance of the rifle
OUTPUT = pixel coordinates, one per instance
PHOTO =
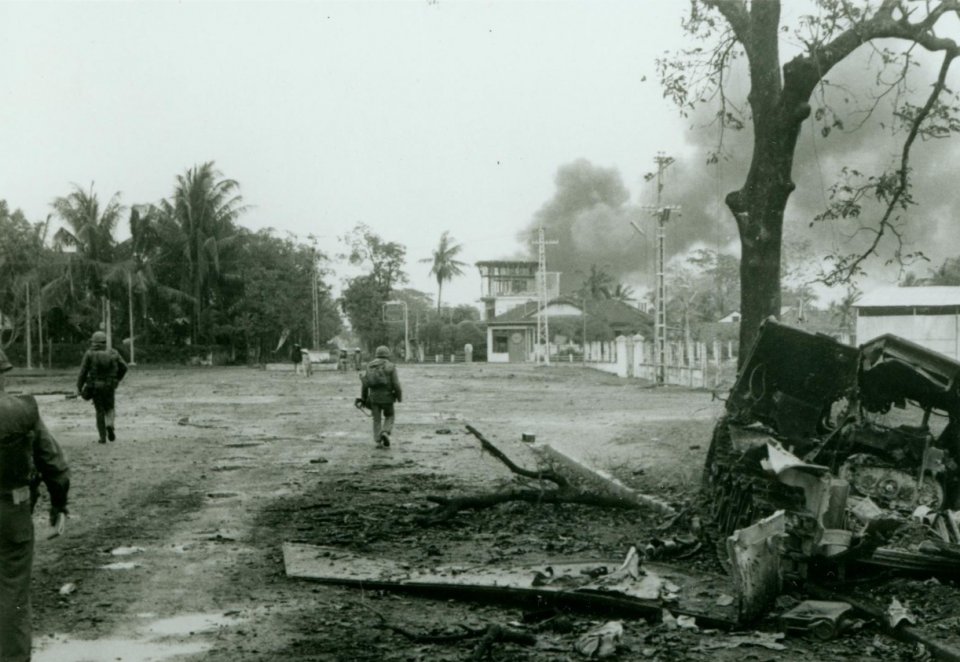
(361, 404)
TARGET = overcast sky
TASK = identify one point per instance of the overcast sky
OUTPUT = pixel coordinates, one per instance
(412, 117)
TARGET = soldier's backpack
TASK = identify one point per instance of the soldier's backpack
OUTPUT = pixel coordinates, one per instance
(376, 376)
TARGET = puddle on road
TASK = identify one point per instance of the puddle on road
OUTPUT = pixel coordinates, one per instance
(121, 565)
(126, 650)
(187, 624)
(154, 645)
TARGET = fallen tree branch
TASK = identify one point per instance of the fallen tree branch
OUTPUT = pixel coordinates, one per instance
(488, 446)
(565, 492)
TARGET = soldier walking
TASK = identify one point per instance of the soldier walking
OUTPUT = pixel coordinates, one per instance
(28, 455)
(380, 389)
(100, 372)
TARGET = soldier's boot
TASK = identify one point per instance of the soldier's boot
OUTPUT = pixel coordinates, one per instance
(101, 428)
(108, 420)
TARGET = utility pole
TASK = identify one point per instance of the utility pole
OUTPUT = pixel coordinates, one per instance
(543, 320)
(133, 355)
(28, 323)
(662, 214)
(406, 325)
(315, 295)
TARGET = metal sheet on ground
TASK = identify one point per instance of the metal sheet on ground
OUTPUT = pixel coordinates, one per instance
(590, 585)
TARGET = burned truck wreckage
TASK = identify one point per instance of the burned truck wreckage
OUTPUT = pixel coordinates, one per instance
(843, 456)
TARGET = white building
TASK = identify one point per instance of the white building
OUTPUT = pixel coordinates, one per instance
(506, 284)
(929, 316)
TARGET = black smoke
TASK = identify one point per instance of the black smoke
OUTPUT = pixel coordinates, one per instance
(590, 213)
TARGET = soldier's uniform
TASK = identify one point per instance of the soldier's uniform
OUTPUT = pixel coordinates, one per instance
(380, 397)
(28, 455)
(100, 372)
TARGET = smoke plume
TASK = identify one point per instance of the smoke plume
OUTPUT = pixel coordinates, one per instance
(590, 213)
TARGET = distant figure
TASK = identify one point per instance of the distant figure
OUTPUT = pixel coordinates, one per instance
(306, 363)
(357, 360)
(468, 353)
(296, 356)
(28, 455)
(342, 361)
(100, 373)
(380, 388)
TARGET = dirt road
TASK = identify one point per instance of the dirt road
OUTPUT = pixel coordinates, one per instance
(174, 544)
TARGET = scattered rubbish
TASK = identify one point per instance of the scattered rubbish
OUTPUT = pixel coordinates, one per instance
(668, 620)
(443, 431)
(687, 622)
(185, 420)
(820, 619)
(319, 460)
(600, 642)
(768, 640)
(126, 551)
(67, 588)
(724, 600)
(529, 438)
(898, 613)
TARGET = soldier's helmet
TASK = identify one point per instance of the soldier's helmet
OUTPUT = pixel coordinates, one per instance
(383, 352)
(4, 362)
(98, 338)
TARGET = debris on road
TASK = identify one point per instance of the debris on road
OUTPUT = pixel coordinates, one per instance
(625, 589)
(806, 436)
(600, 642)
(573, 482)
(820, 619)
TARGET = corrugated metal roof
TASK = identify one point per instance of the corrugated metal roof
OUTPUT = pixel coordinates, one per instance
(908, 297)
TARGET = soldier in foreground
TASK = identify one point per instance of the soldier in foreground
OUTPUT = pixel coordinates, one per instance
(380, 389)
(100, 372)
(28, 455)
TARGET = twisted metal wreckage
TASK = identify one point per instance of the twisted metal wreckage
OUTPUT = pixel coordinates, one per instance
(829, 459)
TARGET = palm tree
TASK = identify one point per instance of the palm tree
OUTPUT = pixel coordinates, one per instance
(444, 263)
(620, 293)
(89, 231)
(134, 270)
(199, 224)
(597, 283)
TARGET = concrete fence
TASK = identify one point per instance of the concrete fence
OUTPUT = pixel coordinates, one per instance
(695, 365)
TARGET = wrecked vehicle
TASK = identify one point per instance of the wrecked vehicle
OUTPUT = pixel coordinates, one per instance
(853, 445)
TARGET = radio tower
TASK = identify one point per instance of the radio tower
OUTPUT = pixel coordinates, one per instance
(543, 320)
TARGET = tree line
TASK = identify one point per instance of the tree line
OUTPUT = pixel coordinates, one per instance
(190, 276)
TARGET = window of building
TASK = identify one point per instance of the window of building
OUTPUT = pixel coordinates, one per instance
(500, 340)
